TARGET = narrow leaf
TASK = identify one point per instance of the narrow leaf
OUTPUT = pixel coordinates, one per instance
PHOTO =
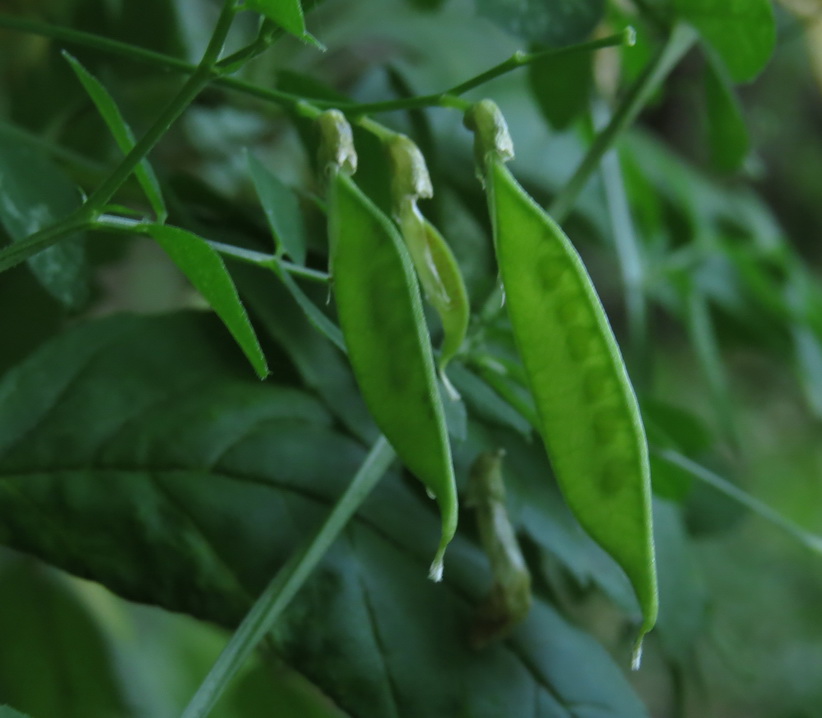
(288, 14)
(206, 271)
(282, 210)
(122, 134)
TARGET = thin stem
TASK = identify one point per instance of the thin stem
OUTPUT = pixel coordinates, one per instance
(448, 98)
(116, 223)
(192, 87)
(83, 217)
(287, 582)
(260, 259)
(18, 252)
(680, 41)
(807, 539)
(520, 59)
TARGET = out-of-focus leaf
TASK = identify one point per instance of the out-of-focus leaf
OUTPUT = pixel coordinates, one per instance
(561, 86)
(682, 593)
(485, 402)
(6, 712)
(727, 133)
(312, 312)
(34, 193)
(282, 210)
(556, 23)
(54, 660)
(288, 14)
(206, 271)
(321, 366)
(122, 134)
(808, 357)
(742, 32)
(208, 492)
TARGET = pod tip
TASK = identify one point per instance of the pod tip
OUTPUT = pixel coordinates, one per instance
(629, 36)
(435, 572)
(636, 656)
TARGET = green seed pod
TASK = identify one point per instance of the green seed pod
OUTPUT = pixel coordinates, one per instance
(436, 267)
(380, 314)
(510, 598)
(588, 413)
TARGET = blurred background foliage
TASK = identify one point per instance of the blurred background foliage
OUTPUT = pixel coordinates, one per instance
(701, 233)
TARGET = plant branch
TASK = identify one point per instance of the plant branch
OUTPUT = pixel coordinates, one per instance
(679, 42)
(287, 582)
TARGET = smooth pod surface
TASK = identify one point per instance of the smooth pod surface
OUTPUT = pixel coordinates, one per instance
(588, 412)
(380, 314)
(439, 275)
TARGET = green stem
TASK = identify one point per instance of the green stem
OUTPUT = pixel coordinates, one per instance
(192, 87)
(115, 223)
(448, 98)
(259, 259)
(520, 59)
(680, 41)
(807, 539)
(20, 251)
(287, 582)
(83, 217)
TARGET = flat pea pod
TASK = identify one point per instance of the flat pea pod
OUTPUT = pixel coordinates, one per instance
(434, 262)
(588, 412)
(380, 313)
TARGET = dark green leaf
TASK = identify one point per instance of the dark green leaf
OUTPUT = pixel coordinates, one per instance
(210, 482)
(6, 712)
(288, 14)
(122, 133)
(54, 660)
(742, 32)
(727, 133)
(34, 194)
(556, 23)
(561, 86)
(321, 366)
(206, 271)
(682, 594)
(282, 210)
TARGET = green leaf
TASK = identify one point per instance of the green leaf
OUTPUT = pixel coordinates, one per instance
(682, 593)
(282, 210)
(288, 14)
(556, 23)
(147, 464)
(727, 133)
(742, 32)
(42, 617)
(6, 712)
(561, 86)
(34, 194)
(206, 271)
(322, 366)
(122, 134)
